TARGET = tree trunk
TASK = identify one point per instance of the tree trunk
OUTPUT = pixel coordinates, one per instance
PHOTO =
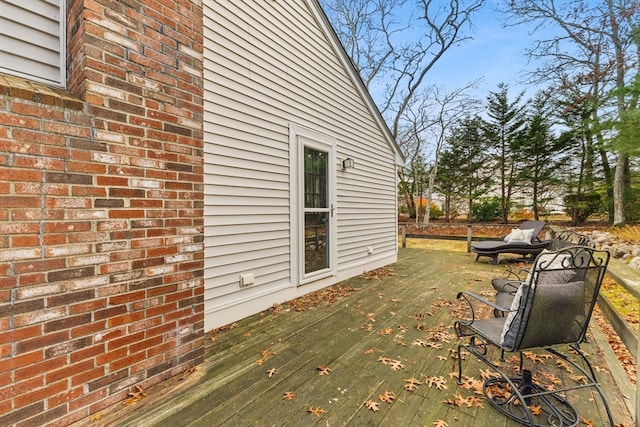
(618, 191)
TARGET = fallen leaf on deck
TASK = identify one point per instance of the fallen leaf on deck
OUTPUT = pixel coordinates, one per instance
(371, 405)
(316, 411)
(387, 397)
(438, 382)
(411, 384)
(187, 372)
(288, 395)
(266, 353)
(324, 370)
(136, 395)
(396, 365)
(535, 410)
(587, 422)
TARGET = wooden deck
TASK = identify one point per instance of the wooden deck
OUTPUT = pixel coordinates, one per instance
(377, 332)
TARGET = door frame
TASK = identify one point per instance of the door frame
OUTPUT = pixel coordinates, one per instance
(300, 137)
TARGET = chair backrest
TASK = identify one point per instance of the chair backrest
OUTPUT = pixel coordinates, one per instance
(565, 238)
(536, 226)
(555, 304)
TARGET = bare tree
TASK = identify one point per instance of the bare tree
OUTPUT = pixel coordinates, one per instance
(597, 52)
(448, 109)
(394, 44)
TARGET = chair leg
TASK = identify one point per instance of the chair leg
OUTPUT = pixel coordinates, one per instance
(513, 396)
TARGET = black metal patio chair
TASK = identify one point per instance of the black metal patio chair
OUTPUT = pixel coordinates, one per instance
(507, 285)
(551, 312)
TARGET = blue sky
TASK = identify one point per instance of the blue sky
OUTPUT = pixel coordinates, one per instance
(495, 54)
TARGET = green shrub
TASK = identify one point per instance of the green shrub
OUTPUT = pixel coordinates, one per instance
(486, 209)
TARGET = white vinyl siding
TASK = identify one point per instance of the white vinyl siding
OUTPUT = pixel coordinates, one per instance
(32, 40)
(270, 66)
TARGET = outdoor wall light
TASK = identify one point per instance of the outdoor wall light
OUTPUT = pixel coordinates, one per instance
(348, 163)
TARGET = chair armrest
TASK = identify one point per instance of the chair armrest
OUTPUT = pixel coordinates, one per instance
(474, 301)
(467, 295)
(512, 286)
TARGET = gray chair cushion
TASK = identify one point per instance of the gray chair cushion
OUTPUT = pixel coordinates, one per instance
(550, 314)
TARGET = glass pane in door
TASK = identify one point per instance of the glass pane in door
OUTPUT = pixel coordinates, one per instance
(316, 211)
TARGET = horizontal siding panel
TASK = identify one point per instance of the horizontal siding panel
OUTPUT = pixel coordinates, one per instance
(257, 210)
(213, 269)
(223, 221)
(229, 285)
(245, 230)
(268, 66)
(220, 251)
(31, 43)
(230, 239)
(223, 191)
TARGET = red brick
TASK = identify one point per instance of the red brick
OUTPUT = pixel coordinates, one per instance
(87, 352)
(88, 306)
(87, 400)
(125, 298)
(19, 334)
(161, 309)
(40, 368)
(127, 361)
(125, 319)
(42, 341)
(109, 357)
(20, 387)
(68, 371)
(39, 394)
(65, 396)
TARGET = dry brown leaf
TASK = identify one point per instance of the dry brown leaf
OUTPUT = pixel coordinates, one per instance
(385, 332)
(385, 360)
(588, 423)
(316, 411)
(371, 405)
(187, 372)
(267, 353)
(387, 397)
(289, 395)
(411, 384)
(324, 370)
(136, 395)
(438, 382)
(396, 365)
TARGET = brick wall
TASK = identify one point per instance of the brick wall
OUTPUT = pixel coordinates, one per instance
(101, 214)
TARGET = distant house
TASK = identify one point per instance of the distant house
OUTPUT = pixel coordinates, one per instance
(167, 168)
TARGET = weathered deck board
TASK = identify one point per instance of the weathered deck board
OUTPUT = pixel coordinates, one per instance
(231, 389)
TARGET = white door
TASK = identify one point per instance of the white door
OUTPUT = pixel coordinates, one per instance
(315, 206)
